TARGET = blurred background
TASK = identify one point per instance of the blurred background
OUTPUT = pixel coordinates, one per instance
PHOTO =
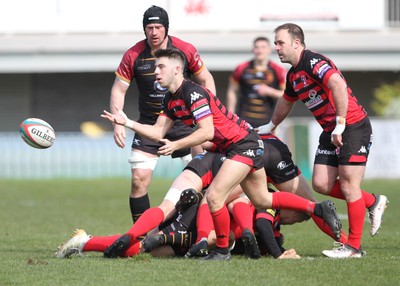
(58, 57)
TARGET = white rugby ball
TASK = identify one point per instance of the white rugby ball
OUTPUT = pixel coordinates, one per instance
(37, 133)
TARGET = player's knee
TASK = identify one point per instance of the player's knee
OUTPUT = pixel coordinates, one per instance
(320, 186)
(214, 200)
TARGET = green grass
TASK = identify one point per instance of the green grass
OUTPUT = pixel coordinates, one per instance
(36, 216)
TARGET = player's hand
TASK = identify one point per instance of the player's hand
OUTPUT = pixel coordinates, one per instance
(119, 135)
(168, 147)
(264, 90)
(265, 129)
(117, 118)
(289, 254)
(336, 135)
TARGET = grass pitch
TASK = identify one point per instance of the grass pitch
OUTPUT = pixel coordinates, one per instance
(36, 216)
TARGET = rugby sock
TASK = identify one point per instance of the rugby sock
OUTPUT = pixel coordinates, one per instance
(369, 198)
(204, 222)
(139, 206)
(243, 215)
(285, 200)
(134, 249)
(149, 220)
(179, 239)
(326, 229)
(100, 243)
(356, 212)
(221, 221)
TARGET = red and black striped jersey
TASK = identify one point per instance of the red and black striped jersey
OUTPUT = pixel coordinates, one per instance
(256, 109)
(191, 103)
(308, 81)
(138, 63)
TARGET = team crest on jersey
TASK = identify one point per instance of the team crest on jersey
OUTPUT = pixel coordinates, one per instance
(194, 96)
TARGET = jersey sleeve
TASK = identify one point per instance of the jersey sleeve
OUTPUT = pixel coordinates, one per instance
(320, 67)
(199, 104)
(238, 71)
(125, 70)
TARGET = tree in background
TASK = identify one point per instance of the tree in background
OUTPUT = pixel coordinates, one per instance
(386, 102)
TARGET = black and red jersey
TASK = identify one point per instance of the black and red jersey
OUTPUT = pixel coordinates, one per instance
(308, 81)
(192, 103)
(256, 109)
(138, 63)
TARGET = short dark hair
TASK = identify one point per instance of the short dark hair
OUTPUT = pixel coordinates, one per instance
(295, 31)
(170, 53)
(260, 38)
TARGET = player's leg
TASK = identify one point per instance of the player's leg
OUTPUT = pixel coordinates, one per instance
(285, 200)
(153, 217)
(243, 213)
(142, 167)
(228, 177)
(80, 242)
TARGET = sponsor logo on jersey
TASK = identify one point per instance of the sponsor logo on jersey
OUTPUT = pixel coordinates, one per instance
(136, 142)
(144, 67)
(313, 99)
(313, 62)
(194, 96)
(362, 150)
(323, 69)
(325, 152)
(249, 153)
(282, 165)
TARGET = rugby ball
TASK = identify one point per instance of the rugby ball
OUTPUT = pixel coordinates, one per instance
(37, 133)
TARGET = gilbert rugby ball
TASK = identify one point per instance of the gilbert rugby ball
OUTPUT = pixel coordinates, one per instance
(37, 133)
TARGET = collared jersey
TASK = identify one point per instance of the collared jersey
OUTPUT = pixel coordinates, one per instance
(256, 109)
(308, 81)
(138, 63)
(191, 103)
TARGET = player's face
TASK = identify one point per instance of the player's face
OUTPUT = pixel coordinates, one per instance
(284, 46)
(155, 34)
(261, 50)
(164, 71)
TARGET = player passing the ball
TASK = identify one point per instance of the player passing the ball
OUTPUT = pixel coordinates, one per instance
(138, 64)
(345, 141)
(202, 110)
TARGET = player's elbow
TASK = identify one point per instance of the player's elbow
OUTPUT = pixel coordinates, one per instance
(209, 135)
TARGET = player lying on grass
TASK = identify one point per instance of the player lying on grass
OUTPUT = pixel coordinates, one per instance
(176, 235)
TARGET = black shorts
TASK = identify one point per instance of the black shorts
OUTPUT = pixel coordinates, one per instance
(249, 151)
(206, 166)
(357, 140)
(178, 131)
(278, 162)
